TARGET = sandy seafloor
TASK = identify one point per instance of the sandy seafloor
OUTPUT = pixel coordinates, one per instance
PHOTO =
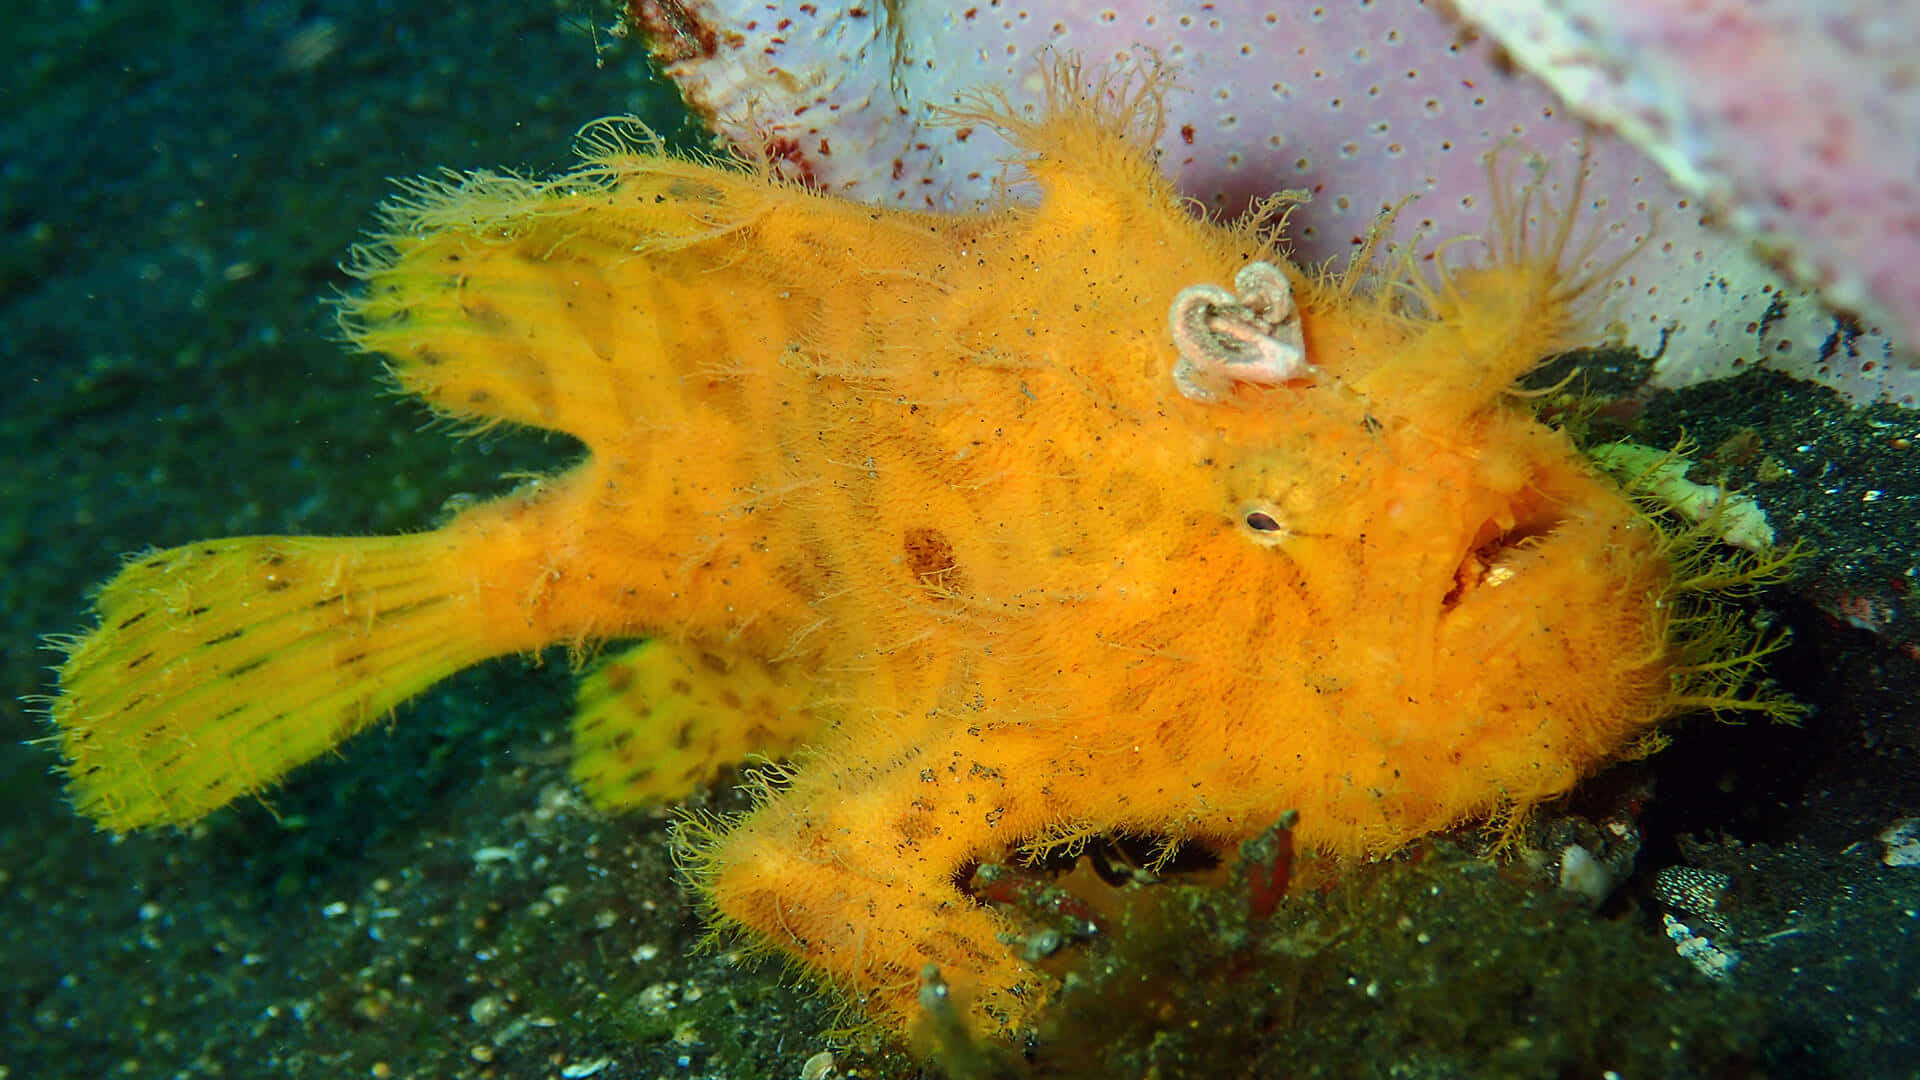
(179, 183)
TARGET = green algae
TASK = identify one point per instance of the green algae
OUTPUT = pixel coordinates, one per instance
(1433, 964)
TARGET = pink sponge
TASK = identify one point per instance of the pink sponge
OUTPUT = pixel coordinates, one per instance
(1797, 120)
(1362, 102)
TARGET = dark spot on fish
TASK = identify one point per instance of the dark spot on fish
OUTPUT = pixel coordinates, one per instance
(929, 555)
(486, 317)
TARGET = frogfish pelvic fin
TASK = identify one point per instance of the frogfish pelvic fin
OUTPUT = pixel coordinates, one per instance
(1075, 516)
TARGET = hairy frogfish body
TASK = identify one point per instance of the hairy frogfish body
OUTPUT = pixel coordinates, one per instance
(1014, 528)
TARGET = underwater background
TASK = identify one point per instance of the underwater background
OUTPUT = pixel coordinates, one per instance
(180, 184)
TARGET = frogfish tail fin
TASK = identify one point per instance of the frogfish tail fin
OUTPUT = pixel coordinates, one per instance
(218, 666)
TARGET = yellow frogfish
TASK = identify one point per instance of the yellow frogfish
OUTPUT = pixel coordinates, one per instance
(1074, 516)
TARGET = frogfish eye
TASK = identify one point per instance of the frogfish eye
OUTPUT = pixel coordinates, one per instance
(1265, 526)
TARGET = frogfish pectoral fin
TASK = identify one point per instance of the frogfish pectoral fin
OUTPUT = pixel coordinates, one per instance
(218, 666)
(661, 718)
